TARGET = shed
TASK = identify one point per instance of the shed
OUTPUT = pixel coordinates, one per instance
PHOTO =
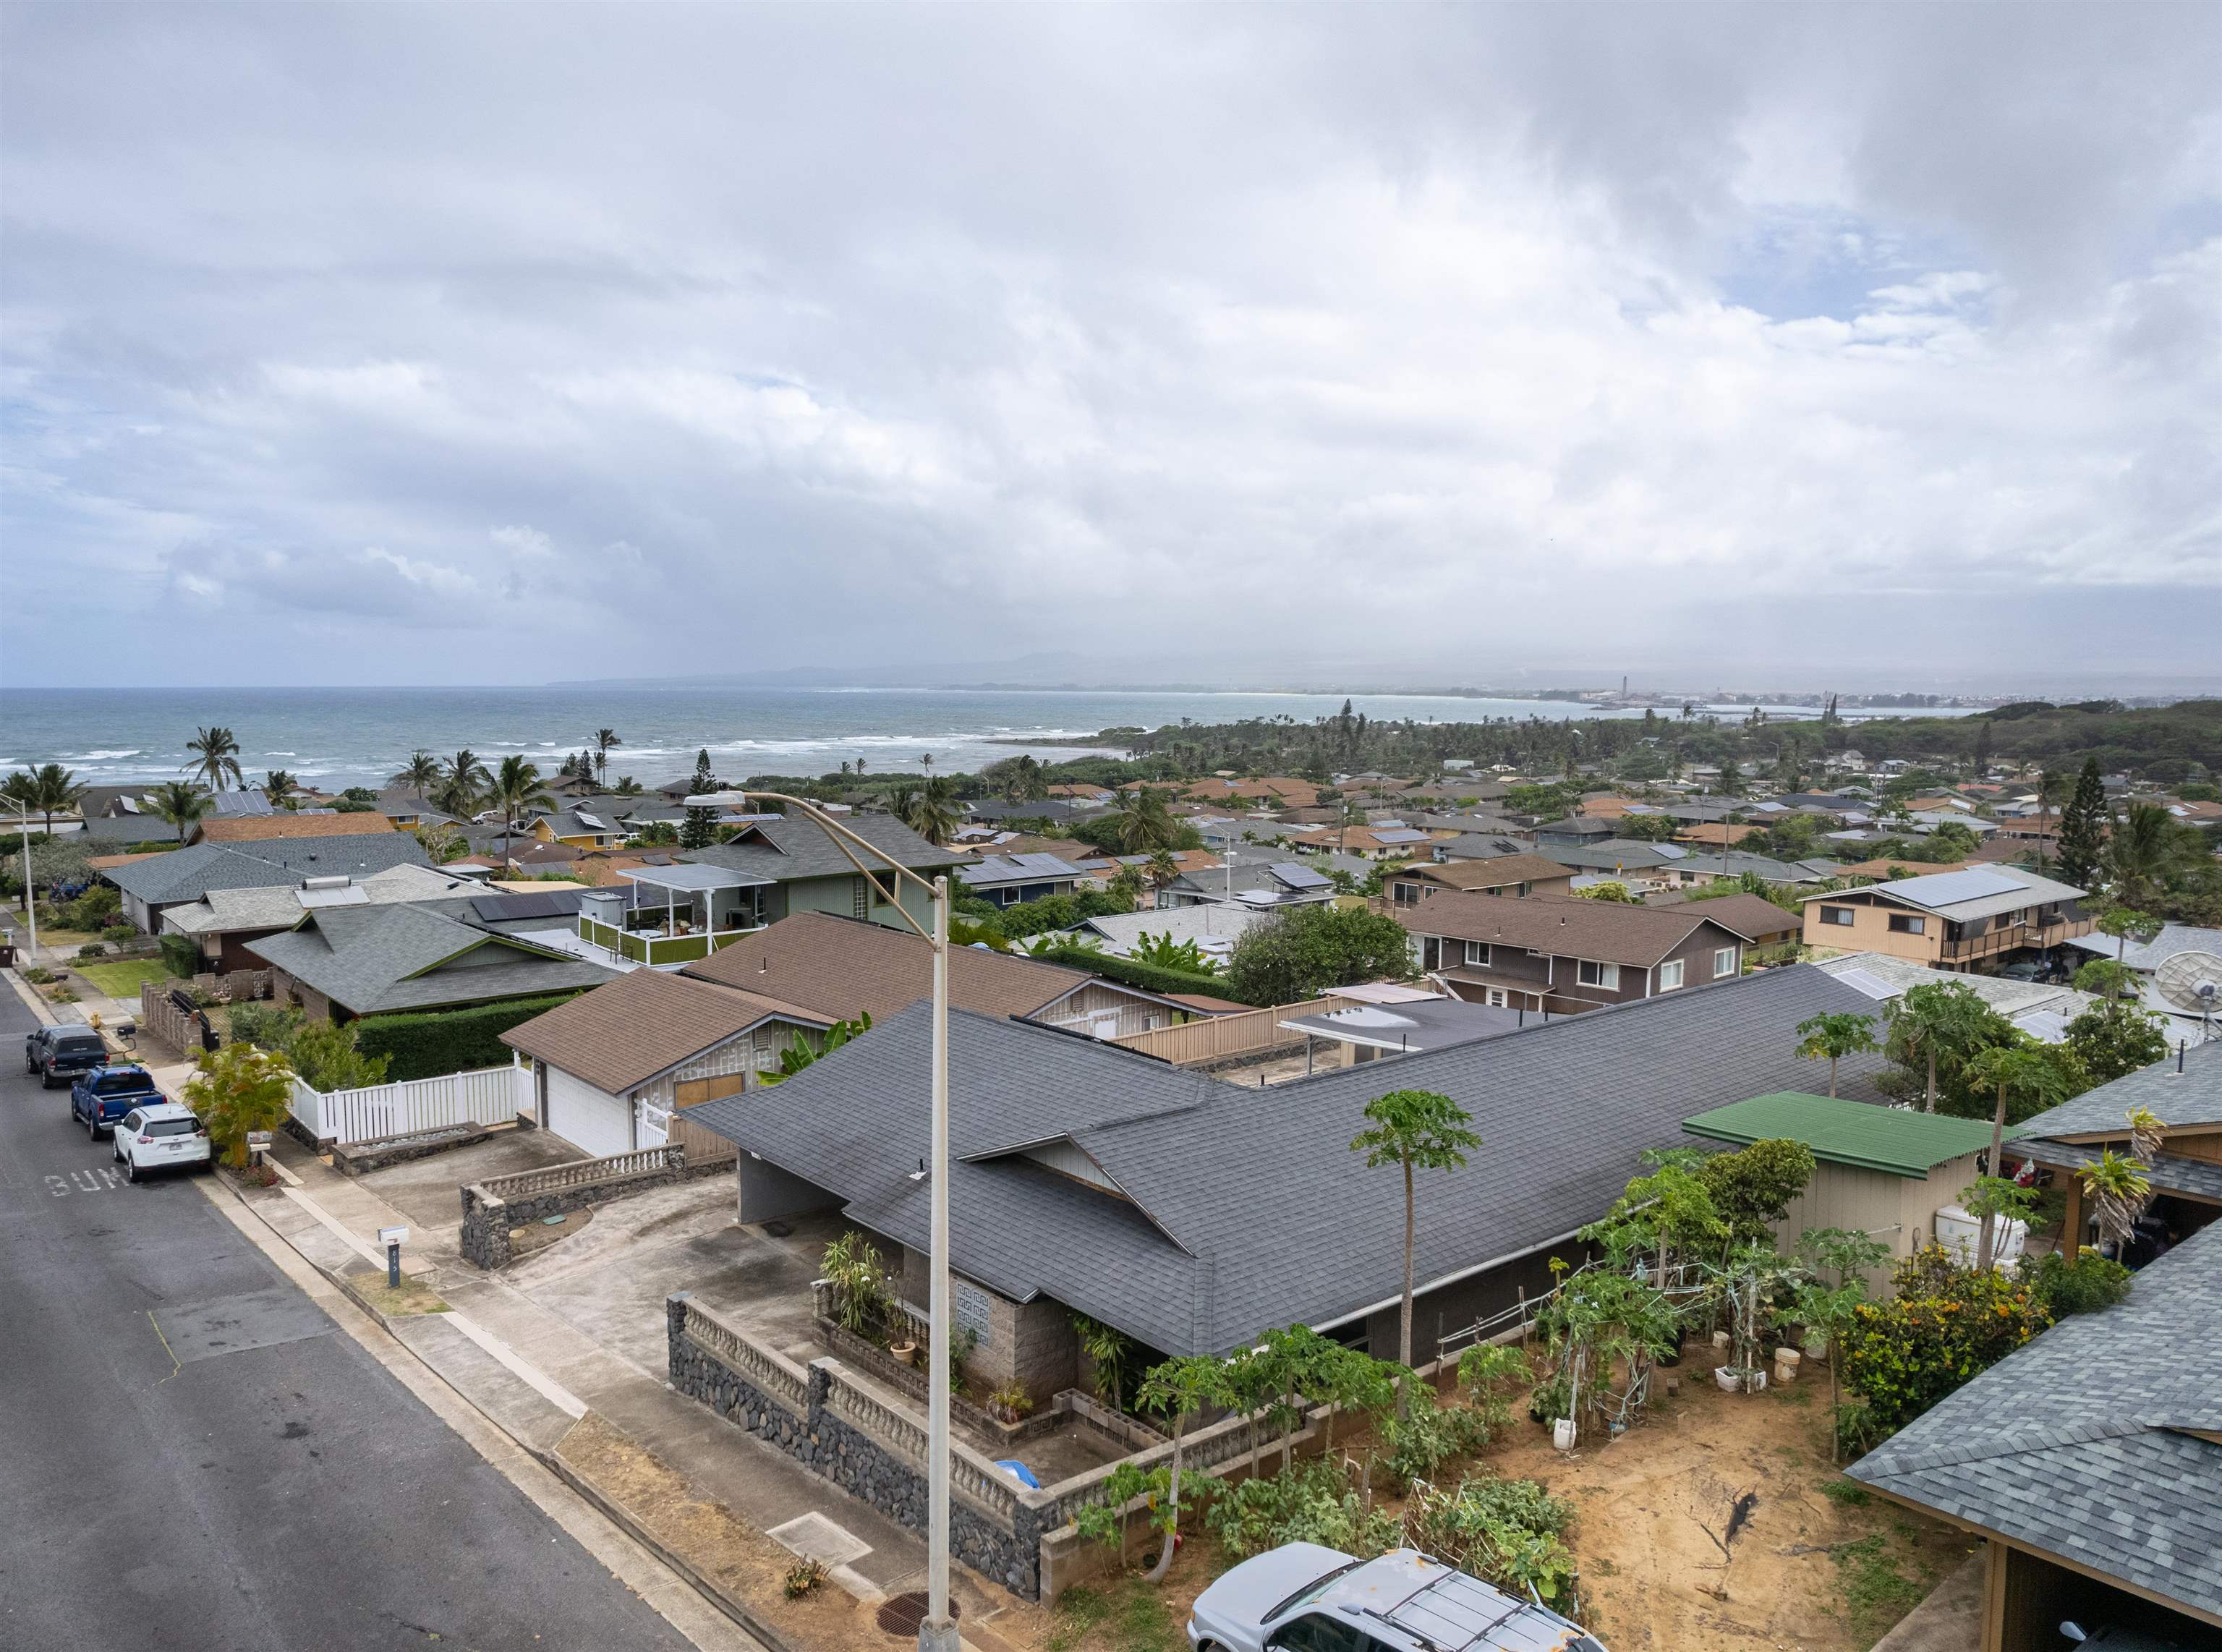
(1882, 1170)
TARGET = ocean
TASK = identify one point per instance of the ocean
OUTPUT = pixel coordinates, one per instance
(342, 737)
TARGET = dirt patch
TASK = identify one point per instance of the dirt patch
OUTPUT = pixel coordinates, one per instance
(539, 1235)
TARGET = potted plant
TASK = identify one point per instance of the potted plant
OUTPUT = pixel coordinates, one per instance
(1010, 1404)
(904, 1349)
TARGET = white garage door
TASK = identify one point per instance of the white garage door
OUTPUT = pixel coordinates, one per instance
(592, 1121)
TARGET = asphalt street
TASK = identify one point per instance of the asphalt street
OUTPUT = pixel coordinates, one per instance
(192, 1454)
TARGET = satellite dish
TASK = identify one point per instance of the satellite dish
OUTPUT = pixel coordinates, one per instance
(2192, 981)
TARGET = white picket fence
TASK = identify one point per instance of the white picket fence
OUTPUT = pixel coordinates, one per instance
(487, 1095)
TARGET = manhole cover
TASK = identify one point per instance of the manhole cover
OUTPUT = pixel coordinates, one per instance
(903, 1614)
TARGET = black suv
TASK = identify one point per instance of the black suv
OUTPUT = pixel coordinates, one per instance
(59, 1054)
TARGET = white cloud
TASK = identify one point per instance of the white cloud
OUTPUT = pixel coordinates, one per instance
(1434, 335)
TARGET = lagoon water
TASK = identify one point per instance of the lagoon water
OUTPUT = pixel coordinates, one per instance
(329, 736)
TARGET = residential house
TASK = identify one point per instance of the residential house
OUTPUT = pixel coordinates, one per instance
(1883, 871)
(609, 1066)
(1564, 954)
(1274, 792)
(1101, 870)
(1214, 927)
(349, 961)
(1275, 883)
(1696, 871)
(1984, 917)
(222, 922)
(1479, 845)
(1082, 791)
(2041, 1008)
(1714, 834)
(1514, 875)
(1062, 811)
(2089, 1462)
(577, 826)
(801, 867)
(1619, 855)
(2176, 994)
(840, 967)
(260, 828)
(1362, 1033)
(152, 884)
(1575, 830)
(1179, 1210)
(1374, 841)
(1757, 919)
(1007, 880)
(408, 810)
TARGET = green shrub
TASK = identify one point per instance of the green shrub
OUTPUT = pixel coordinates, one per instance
(427, 1045)
(1944, 1325)
(1504, 1532)
(181, 955)
(1146, 977)
(92, 949)
(326, 1057)
(1312, 1504)
(2083, 1286)
(119, 934)
(265, 1026)
(1427, 1434)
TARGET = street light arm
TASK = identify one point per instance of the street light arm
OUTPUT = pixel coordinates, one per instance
(843, 838)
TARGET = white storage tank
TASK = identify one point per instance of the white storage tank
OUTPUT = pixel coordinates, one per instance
(1962, 1234)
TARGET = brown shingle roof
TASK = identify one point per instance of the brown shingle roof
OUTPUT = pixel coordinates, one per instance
(625, 1033)
(1564, 925)
(1489, 874)
(1748, 915)
(251, 828)
(837, 966)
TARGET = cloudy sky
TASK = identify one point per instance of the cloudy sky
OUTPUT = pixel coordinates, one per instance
(385, 343)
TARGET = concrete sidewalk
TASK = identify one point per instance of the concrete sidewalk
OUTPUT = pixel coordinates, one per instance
(732, 1511)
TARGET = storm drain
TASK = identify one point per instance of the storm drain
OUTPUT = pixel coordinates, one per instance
(903, 1613)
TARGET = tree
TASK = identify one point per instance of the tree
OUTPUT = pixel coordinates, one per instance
(2115, 1037)
(240, 1088)
(215, 757)
(1995, 1200)
(2021, 1077)
(280, 788)
(1954, 841)
(516, 788)
(1142, 823)
(1163, 953)
(463, 784)
(47, 790)
(1833, 1037)
(1946, 1018)
(442, 842)
(2083, 827)
(180, 802)
(2125, 924)
(1161, 868)
(605, 741)
(2145, 851)
(1128, 883)
(934, 810)
(1179, 1389)
(1304, 949)
(1751, 1187)
(2118, 1192)
(419, 776)
(1413, 1129)
(626, 786)
(1617, 894)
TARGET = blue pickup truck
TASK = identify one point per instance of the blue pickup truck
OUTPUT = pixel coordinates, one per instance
(100, 1099)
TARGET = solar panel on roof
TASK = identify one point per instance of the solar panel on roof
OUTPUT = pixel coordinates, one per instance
(1299, 878)
(586, 818)
(1867, 982)
(1949, 889)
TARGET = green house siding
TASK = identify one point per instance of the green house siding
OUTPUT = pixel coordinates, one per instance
(849, 897)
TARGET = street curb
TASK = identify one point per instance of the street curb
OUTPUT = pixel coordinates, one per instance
(32, 1001)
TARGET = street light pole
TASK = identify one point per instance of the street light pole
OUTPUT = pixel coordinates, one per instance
(938, 1631)
(30, 897)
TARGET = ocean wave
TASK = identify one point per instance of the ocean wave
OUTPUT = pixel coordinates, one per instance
(105, 757)
(281, 754)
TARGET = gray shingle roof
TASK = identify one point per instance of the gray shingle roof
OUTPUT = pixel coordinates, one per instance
(189, 873)
(787, 848)
(2193, 1096)
(2078, 1444)
(391, 957)
(1249, 1209)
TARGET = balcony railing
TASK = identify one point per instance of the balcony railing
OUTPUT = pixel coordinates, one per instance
(642, 947)
(2037, 932)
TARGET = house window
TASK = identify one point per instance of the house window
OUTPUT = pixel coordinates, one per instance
(1591, 973)
(1836, 915)
(1495, 996)
(1670, 975)
(1525, 888)
(1904, 923)
(1724, 961)
(1407, 893)
(1476, 953)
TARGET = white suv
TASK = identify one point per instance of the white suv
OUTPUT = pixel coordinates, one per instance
(1303, 1598)
(163, 1137)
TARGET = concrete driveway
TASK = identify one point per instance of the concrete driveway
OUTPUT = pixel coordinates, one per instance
(428, 1191)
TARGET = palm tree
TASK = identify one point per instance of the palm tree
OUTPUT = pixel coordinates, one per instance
(2022, 1071)
(1161, 868)
(1946, 1018)
(48, 789)
(2118, 1192)
(1413, 1129)
(516, 788)
(180, 802)
(605, 741)
(1142, 822)
(626, 786)
(1127, 884)
(280, 788)
(2144, 848)
(1835, 1037)
(2050, 783)
(934, 810)
(215, 757)
(419, 775)
(902, 800)
(463, 783)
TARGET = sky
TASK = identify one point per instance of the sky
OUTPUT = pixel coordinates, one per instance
(505, 343)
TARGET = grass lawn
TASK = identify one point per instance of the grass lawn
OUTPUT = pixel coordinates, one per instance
(123, 980)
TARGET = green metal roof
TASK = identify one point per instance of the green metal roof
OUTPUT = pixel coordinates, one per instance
(1859, 1134)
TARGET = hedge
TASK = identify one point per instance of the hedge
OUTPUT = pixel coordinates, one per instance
(433, 1042)
(1148, 977)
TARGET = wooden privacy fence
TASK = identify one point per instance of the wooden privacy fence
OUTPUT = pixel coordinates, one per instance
(1222, 1038)
(378, 1112)
(702, 1147)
